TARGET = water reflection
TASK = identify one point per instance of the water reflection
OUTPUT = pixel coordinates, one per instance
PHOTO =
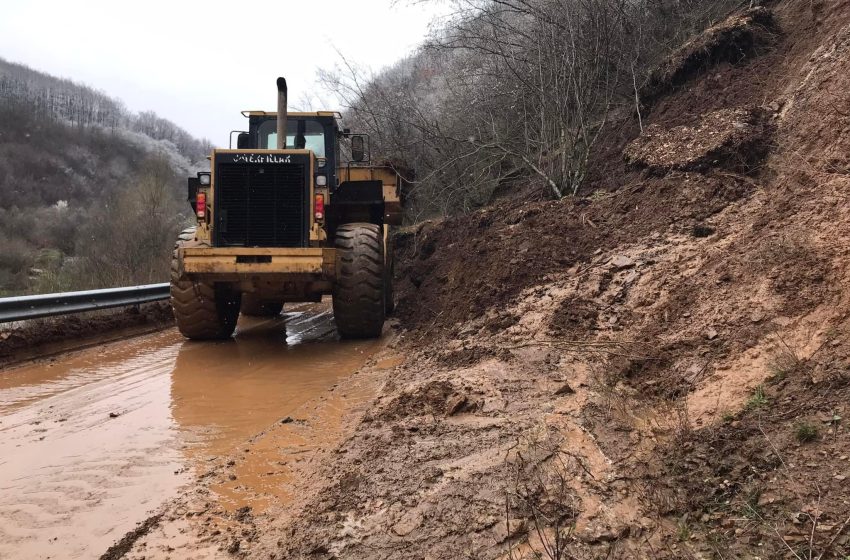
(228, 394)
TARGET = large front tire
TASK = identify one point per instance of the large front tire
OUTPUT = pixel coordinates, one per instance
(203, 311)
(389, 273)
(358, 293)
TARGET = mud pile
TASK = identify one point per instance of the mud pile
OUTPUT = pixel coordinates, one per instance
(38, 337)
(733, 139)
(660, 369)
(741, 36)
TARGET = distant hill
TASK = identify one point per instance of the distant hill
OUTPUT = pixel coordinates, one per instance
(82, 105)
(70, 157)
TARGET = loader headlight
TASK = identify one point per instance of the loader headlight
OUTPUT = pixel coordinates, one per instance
(321, 162)
(321, 180)
(205, 179)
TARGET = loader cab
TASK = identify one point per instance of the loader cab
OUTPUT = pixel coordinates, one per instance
(317, 132)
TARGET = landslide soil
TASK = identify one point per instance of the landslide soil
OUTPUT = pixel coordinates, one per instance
(658, 368)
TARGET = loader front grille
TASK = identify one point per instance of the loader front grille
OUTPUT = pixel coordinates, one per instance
(261, 205)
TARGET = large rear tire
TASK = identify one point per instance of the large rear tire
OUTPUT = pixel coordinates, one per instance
(203, 311)
(389, 273)
(256, 308)
(358, 293)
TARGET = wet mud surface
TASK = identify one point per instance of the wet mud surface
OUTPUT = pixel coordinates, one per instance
(98, 441)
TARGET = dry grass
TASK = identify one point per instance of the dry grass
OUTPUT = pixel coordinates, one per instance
(541, 502)
(805, 432)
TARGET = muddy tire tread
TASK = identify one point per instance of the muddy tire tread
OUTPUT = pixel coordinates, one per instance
(358, 295)
(389, 273)
(196, 305)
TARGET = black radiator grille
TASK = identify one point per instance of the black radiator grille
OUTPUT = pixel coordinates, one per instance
(261, 205)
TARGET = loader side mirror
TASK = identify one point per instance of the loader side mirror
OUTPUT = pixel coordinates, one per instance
(358, 148)
(243, 141)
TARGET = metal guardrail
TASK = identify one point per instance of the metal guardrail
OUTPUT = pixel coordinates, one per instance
(20, 308)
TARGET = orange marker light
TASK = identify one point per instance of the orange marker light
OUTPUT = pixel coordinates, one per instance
(319, 208)
(201, 205)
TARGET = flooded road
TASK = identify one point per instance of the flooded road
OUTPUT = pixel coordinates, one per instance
(93, 442)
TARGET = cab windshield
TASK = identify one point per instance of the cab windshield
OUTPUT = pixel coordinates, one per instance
(300, 134)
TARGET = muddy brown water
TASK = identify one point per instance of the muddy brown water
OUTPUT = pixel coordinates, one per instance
(93, 442)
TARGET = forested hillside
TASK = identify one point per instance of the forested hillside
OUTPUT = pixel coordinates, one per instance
(91, 194)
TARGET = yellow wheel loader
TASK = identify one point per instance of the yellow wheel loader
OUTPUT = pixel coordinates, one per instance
(287, 217)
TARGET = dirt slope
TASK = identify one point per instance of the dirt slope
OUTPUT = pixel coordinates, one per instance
(660, 369)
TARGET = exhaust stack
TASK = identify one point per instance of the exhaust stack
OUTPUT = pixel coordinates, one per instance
(281, 114)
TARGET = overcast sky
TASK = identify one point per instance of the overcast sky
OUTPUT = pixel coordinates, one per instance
(198, 63)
